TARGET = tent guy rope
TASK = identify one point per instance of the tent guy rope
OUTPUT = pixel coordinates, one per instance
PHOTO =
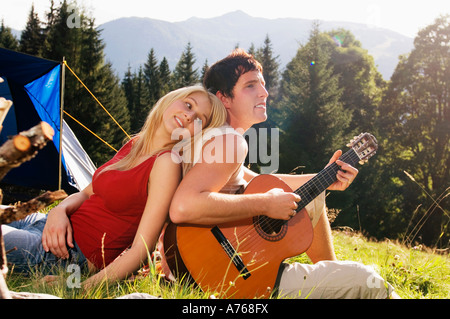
(84, 126)
(65, 63)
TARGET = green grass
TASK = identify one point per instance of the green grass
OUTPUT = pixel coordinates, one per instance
(415, 273)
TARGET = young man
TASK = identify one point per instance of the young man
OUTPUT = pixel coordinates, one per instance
(213, 181)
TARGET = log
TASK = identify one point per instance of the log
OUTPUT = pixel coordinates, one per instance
(24, 146)
(21, 210)
(13, 153)
(16, 212)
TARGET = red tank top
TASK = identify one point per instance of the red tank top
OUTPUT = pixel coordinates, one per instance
(106, 223)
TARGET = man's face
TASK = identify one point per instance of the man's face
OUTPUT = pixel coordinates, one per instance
(248, 106)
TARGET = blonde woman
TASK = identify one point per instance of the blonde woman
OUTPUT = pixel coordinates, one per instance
(121, 213)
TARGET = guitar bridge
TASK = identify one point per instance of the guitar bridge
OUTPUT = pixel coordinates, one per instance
(231, 252)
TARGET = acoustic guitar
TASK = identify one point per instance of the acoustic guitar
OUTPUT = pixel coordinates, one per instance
(242, 259)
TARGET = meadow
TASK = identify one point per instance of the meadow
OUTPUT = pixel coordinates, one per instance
(415, 273)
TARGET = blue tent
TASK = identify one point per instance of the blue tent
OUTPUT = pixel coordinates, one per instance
(35, 87)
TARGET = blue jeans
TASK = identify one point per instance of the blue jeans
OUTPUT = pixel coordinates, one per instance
(23, 238)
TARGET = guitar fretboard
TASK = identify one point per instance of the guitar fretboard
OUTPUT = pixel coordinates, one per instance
(316, 185)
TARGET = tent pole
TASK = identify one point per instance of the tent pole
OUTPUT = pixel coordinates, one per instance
(61, 109)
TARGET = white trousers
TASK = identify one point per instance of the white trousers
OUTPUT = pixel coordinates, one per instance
(331, 279)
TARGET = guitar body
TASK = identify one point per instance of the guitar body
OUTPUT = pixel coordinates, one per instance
(239, 259)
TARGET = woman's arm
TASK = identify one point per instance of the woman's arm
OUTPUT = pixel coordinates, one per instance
(164, 179)
(57, 234)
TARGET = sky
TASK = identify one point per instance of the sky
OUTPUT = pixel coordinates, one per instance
(404, 16)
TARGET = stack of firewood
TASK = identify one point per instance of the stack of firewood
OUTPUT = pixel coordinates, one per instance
(17, 150)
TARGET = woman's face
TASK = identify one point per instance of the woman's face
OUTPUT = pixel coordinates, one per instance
(183, 113)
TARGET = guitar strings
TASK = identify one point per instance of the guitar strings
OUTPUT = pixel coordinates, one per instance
(308, 192)
(311, 189)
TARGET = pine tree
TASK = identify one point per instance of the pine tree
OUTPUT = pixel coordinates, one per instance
(204, 70)
(152, 80)
(271, 66)
(141, 102)
(363, 85)
(32, 37)
(165, 77)
(184, 73)
(312, 111)
(82, 48)
(128, 88)
(7, 39)
(48, 25)
(252, 50)
(60, 40)
(101, 80)
(265, 56)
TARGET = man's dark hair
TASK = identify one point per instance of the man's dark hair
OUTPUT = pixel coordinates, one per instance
(223, 75)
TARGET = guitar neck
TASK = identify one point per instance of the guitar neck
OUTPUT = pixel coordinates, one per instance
(319, 183)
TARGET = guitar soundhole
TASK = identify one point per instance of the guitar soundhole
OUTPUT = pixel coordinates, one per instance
(269, 228)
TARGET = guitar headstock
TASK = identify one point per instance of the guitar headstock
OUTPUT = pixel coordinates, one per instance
(365, 146)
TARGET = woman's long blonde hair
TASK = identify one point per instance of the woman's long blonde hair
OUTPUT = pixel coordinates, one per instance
(142, 144)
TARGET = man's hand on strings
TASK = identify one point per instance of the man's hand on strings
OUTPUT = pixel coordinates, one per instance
(345, 175)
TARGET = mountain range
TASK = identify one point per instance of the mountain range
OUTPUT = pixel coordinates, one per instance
(129, 40)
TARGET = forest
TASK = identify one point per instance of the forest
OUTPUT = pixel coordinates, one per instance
(329, 92)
